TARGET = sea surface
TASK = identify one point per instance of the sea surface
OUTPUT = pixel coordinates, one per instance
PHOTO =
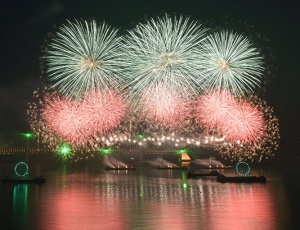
(86, 196)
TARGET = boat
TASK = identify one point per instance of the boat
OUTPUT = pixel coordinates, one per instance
(211, 173)
(119, 168)
(20, 179)
(172, 168)
(241, 179)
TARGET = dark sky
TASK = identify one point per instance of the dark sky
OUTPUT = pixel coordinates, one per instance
(24, 26)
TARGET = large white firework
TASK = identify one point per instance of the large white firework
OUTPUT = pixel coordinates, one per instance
(84, 56)
(164, 52)
(230, 62)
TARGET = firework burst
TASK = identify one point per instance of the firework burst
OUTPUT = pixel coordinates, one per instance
(244, 124)
(162, 105)
(264, 147)
(80, 122)
(164, 52)
(230, 62)
(66, 119)
(213, 109)
(84, 57)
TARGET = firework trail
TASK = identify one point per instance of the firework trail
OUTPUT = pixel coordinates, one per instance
(230, 62)
(163, 52)
(84, 57)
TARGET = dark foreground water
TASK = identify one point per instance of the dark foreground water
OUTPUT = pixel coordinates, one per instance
(86, 196)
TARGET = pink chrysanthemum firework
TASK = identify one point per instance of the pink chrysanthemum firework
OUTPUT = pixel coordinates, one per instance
(79, 122)
(104, 110)
(245, 123)
(163, 106)
(214, 108)
(66, 119)
(238, 121)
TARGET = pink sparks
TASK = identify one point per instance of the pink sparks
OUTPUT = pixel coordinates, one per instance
(79, 122)
(245, 124)
(238, 121)
(104, 110)
(163, 106)
(213, 109)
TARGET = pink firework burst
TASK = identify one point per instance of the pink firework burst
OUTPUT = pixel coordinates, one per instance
(66, 119)
(214, 108)
(238, 121)
(162, 105)
(79, 122)
(104, 110)
(245, 123)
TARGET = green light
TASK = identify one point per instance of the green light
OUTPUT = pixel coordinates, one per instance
(184, 185)
(140, 136)
(181, 151)
(238, 171)
(21, 169)
(28, 135)
(106, 151)
(64, 150)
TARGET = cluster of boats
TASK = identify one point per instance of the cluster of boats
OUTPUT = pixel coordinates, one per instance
(212, 173)
(190, 174)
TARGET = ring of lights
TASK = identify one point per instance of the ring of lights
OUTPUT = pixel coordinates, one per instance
(237, 168)
(26, 169)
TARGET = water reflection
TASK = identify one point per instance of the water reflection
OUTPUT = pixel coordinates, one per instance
(83, 199)
(20, 204)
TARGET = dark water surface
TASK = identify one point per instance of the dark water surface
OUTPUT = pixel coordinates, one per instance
(88, 197)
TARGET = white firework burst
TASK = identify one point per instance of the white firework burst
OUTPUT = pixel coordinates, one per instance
(164, 52)
(230, 62)
(83, 57)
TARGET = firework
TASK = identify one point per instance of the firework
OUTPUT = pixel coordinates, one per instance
(164, 52)
(66, 119)
(79, 122)
(84, 57)
(230, 62)
(265, 147)
(162, 105)
(45, 136)
(244, 124)
(237, 120)
(104, 110)
(212, 109)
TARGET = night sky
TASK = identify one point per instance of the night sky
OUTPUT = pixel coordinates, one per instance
(25, 24)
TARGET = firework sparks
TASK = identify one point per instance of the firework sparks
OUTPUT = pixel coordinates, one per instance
(84, 57)
(164, 52)
(244, 124)
(162, 105)
(235, 119)
(104, 110)
(78, 122)
(214, 108)
(264, 147)
(230, 63)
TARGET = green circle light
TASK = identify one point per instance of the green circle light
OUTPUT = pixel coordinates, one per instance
(21, 169)
(238, 171)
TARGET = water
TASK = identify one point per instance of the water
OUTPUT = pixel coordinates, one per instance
(85, 196)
